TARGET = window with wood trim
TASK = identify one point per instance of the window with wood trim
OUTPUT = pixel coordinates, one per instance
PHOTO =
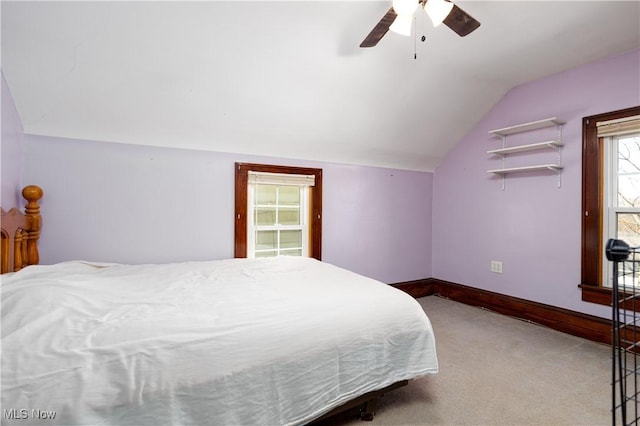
(278, 210)
(596, 215)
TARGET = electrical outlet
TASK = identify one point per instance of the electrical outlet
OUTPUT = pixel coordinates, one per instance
(496, 266)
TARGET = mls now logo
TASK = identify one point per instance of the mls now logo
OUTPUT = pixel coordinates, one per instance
(23, 414)
(14, 413)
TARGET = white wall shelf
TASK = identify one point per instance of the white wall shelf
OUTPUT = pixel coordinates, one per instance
(553, 167)
(526, 127)
(524, 148)
(505, 151)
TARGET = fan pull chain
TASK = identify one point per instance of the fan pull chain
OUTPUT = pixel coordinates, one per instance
(423, 38)
(415, 38)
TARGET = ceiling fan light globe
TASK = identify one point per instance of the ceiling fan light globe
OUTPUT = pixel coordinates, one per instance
(405, 7)
(402, 25)
(438, 10)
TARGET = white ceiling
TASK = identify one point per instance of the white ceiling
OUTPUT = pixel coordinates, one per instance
(287, 78)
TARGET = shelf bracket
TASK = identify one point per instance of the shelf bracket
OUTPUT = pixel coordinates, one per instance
(504, 159)
(559, 149)
(558, 173)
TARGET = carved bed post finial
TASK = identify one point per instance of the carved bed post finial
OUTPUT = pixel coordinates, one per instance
(32, 194)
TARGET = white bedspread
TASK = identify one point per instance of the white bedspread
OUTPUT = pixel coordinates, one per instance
(232, 342)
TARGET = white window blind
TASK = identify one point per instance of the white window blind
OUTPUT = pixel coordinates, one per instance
(621, 126)
(262, 178)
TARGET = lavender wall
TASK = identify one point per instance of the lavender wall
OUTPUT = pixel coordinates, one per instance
(11, 156)
(135, 204)
(128, 203)
(531, 226)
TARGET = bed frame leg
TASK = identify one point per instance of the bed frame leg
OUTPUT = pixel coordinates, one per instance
(368, 410)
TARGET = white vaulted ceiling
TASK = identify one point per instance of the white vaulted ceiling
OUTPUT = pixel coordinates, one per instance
(287, 78)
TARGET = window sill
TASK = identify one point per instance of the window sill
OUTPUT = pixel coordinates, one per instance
(596, 294)
(602, 296)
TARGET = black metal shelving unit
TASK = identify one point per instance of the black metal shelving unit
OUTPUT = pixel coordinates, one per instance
(625, 332)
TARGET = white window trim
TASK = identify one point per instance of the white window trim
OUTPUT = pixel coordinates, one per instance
(610, 208)
(304, 183)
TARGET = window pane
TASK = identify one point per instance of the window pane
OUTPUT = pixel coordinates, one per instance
(269, 253)
(294, 252)
(629, 190)
(628, 171)
(265, 195)
(289, 195)
(290, 239)
(628, 228)
(266, 240)
(629, 154)
(265, 216)
(289, 216)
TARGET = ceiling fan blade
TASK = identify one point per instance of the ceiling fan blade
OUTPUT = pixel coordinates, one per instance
(461, 22)
(380, 29)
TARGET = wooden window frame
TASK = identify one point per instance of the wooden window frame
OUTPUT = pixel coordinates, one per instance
(241, 197)
(592, 211)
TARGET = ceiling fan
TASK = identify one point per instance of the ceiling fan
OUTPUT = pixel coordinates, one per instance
(400, 16)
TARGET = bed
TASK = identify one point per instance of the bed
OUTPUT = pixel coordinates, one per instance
(274, 341)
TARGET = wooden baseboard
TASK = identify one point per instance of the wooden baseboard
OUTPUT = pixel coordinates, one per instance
(564, 320)
(417, 288)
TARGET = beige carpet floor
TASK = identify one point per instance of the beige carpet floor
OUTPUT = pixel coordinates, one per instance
(497, 370)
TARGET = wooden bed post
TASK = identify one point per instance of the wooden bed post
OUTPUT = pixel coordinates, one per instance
(20, 233)
(32, 194)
